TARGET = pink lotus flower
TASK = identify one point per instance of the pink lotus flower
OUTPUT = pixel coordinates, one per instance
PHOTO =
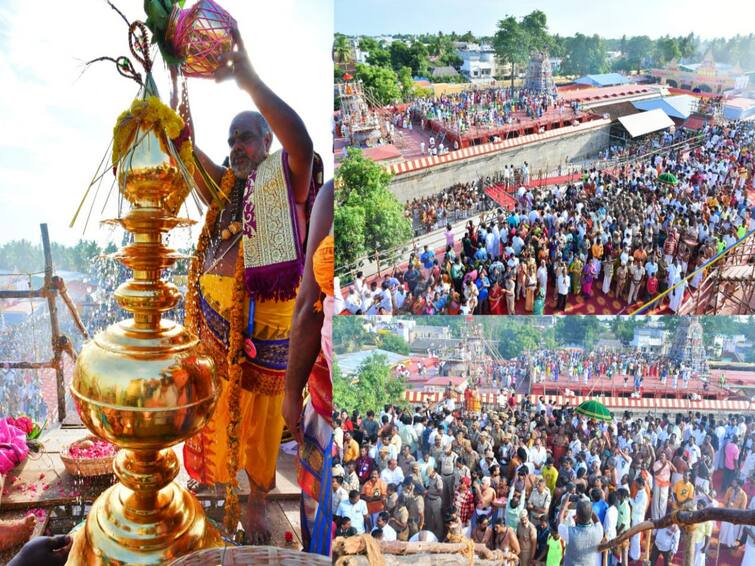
(25, 424)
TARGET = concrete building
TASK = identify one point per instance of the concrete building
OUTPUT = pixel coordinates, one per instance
(650, 340)
(479, 61)
(706, 76)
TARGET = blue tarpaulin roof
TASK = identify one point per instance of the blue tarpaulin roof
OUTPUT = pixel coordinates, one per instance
(679, 106)
(605, 79)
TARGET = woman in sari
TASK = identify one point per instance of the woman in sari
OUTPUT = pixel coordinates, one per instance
(588, 277)
(531, 285)
(419, 305)
(483, 286)
(454, 303)
(538, 307)
(495, 299)
(575, 271)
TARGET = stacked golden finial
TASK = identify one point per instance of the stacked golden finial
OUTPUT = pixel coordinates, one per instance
(142, 383)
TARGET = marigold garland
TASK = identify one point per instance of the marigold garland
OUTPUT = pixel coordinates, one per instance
(235, 355)
(149, 113)
(235, 346)
(197, 262)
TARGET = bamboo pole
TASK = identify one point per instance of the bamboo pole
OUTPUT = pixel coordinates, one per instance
(685, 518)
(54, 326)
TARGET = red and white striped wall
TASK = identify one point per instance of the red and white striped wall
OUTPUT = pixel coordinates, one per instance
(612, 403)
(483, 149)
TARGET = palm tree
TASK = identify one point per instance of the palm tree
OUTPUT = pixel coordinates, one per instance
(342, 50)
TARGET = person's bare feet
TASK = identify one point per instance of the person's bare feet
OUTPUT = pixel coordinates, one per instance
(255, 521)
(16, 532)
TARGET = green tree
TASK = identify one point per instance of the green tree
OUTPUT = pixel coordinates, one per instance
(724, 325)
(342, 52)
(349, 225)
(452, 59)
(400, 55)
(377, 55)
(623, 327)
(363, 184)
(406, 82)
(21, 256)
(468, 37)
(382, 82)
(371, 388)
(535, 27)
(581, 330)
(688, 45)
(348, 333)
(584, 55)
(392, 343)
(639, 51)
(666, 49)
(517, 338)
(510, 44)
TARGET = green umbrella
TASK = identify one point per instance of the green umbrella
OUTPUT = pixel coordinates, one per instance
(668, 178)
(595, 410)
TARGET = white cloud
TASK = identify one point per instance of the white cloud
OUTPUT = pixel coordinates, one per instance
(57, 123)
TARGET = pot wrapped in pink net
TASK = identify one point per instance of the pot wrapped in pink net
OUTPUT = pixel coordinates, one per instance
(200, 35)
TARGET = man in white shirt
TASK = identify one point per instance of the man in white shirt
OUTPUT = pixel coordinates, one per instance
(538, 455)
(353, 302)
(356, 510)
(392, 474)
(389, 533)
(639, 509)
(666, 544)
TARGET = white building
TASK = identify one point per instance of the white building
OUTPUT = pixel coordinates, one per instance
(478, 61)
(401, 328)
(359, 55)
(650, 340)
(735, 347)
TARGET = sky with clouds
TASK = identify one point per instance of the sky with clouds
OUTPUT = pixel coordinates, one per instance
(608, 18)
(56, 122)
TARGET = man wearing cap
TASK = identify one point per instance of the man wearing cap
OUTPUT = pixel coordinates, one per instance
(434, 503)
(447, 469)
(636, 273)
(526, 535)
(489, 461)
(540, 500)
(406, 460)
(621, 278)
(415, 506)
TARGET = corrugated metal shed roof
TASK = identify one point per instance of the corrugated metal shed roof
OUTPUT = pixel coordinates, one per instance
(605, 79)
(679, 106)
(646, 122)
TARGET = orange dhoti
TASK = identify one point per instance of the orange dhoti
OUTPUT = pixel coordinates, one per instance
(261, 424)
